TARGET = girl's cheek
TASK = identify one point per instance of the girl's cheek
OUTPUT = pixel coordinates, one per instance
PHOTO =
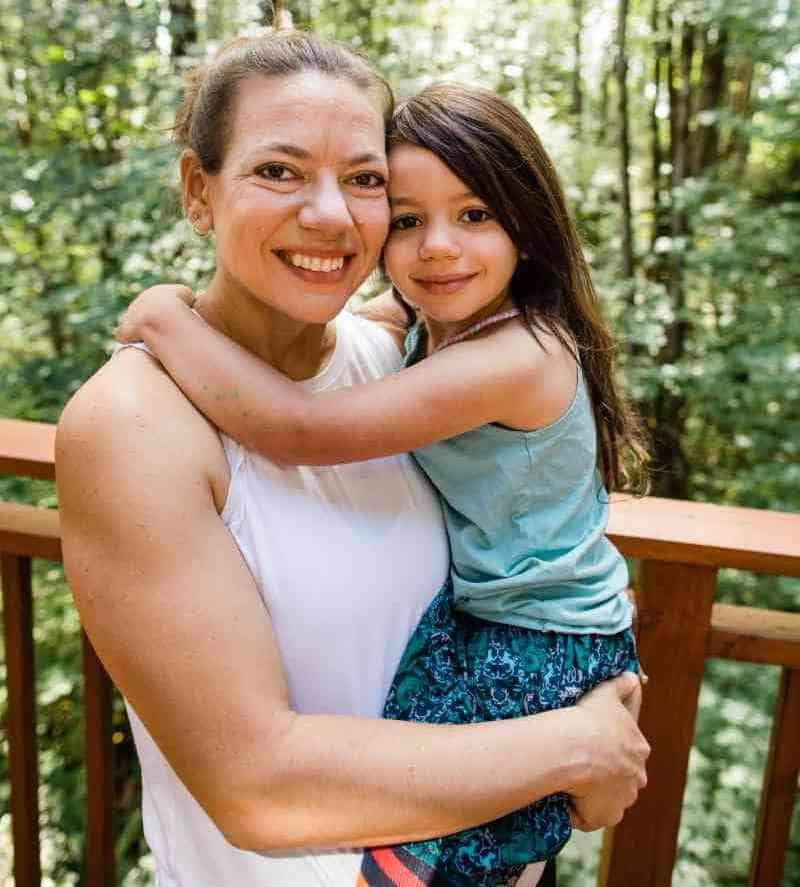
(391, 259)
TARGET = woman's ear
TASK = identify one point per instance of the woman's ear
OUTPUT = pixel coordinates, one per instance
(194, 192)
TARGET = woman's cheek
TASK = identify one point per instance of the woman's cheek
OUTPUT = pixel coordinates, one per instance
(373, 220)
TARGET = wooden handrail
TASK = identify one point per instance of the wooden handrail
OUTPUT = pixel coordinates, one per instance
(27, 449)
(754, 634)
(680, 545)
(708, 535)
(29, 531)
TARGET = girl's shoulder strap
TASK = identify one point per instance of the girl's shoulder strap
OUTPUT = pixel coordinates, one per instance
(414, 346)
(477, 327)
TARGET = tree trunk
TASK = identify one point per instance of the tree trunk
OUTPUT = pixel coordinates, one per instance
(624, 140)
(706, 147)
(671, 477)
(603, 109)
(740, 87)
(660, 52)
(182, 26)
(276, 14)
(576, 102)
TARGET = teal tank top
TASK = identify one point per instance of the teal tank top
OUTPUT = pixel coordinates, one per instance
(526, 513)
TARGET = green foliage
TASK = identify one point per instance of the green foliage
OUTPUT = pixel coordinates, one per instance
(90, 217)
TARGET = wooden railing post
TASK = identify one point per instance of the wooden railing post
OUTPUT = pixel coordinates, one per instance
(100, 864)
(675, 603)
(15, 575)
(780, 786)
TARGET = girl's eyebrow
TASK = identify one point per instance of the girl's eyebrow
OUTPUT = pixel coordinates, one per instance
(456, 198)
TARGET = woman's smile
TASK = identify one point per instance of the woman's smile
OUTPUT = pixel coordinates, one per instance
(316, 266)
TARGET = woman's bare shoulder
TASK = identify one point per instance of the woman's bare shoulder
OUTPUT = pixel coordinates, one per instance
(130, 410)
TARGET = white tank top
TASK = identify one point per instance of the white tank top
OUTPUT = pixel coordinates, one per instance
(346, 558)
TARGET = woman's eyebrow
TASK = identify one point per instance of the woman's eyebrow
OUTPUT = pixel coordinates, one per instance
(303, 154)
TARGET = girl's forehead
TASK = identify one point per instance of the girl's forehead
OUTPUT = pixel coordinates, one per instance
(417, 170)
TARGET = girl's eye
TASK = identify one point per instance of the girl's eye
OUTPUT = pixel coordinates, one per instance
(276, 172)
(476, 215)
(403, 223)
(368, 180)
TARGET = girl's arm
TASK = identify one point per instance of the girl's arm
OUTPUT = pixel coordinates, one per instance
(460, 388)
(387, 312)
(175, 616)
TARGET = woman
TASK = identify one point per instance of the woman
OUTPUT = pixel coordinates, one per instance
(253, 616)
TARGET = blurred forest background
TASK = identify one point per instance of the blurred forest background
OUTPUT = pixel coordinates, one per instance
(675, 125)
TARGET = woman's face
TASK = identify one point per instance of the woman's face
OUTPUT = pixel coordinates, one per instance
(299, 207)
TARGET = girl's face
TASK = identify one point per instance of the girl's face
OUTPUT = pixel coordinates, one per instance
(446, 253)
(299, 207)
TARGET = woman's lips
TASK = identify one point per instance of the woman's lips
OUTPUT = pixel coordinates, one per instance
(316, 267)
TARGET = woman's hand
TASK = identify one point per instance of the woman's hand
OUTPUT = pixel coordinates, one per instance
(618, 752)
(152, 307)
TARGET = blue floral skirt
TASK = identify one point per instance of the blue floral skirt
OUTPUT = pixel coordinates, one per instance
(458, 669)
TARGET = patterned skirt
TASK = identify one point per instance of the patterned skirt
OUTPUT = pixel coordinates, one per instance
(458, 669)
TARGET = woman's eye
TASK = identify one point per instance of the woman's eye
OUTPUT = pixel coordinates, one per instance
(368, 180)
(276, 172)
(403, 223)
(476, 215)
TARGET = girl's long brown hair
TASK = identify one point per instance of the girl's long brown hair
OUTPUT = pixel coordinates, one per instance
(492, 148)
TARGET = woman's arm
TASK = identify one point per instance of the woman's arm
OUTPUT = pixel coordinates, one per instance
(175, 616)
(494, 379)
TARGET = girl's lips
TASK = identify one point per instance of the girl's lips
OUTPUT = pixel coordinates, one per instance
(445, 283)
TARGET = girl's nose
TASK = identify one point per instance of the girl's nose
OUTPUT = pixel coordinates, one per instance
(325, 208)
(438, 242)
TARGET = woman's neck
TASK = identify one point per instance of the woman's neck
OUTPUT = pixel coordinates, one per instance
(298, 349)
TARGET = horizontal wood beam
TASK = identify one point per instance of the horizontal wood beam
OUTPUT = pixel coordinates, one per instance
(753, 634)
(707, 535)
(27, 449)
(649, 528)
(29, 531)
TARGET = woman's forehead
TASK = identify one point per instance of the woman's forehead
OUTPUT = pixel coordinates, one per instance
(308, 110)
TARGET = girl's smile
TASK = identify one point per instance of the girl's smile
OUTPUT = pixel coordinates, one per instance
(443, 284)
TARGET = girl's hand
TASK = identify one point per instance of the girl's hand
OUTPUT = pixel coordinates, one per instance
(151, 308)
(616, 769)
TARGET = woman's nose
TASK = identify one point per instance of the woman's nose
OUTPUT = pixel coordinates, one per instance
(438, 242)
(326, 209)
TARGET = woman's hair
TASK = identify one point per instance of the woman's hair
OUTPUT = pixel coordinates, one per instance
(203, 122)
(487, 143)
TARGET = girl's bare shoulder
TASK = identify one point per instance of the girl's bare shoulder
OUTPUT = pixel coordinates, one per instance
(541, 373)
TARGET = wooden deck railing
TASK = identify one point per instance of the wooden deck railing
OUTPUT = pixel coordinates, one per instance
(680, 547)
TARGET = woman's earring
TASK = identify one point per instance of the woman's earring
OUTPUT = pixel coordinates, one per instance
(200, 233)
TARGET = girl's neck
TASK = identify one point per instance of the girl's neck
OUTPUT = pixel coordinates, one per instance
(298, 349)
(438, 332)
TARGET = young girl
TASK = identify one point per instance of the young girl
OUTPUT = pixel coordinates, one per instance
(509, 404)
